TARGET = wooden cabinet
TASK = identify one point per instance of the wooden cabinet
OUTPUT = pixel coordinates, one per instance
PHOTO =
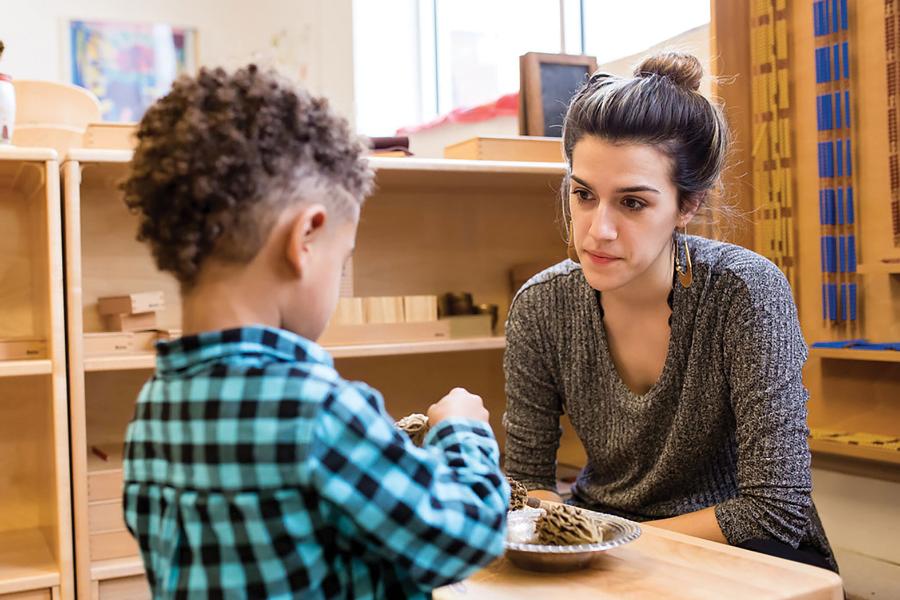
(35, 522)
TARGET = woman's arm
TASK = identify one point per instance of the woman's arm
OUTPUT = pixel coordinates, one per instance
(764, 353)
(701, 523)
(533, 405)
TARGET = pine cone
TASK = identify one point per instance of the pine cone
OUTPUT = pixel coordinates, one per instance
(564, 525)
(518, 494)
(415, 426)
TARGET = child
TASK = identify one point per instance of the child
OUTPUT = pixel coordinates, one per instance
(252, 469)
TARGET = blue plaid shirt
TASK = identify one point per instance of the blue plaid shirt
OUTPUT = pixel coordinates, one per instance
(253, 470)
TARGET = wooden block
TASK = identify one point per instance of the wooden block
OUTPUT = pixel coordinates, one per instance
(384, 309)
(116, 342)
(20, 349)
(105, 485)
(111, 136)
(464, 326)
(113, 544)
(106, 515)
(145, 341)
(124, 588)
(384, 333)
(417, 309)
(139, 302)
(131, 322)
(517, 148)
(168, 334)
(349, 311)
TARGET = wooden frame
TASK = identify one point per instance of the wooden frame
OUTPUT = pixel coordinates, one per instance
(534, 68)
(35, 517)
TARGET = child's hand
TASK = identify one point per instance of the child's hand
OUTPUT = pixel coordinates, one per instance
(458, 403)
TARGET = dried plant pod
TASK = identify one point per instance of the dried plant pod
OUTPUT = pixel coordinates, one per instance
(415, 426)
(563, 525)
(518, 494)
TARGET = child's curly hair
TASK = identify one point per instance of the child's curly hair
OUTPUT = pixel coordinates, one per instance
(221, 155)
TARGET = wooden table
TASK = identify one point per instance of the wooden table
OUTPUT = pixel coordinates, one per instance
(659, 564)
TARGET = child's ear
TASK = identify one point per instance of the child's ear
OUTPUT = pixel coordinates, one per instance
(306, 227)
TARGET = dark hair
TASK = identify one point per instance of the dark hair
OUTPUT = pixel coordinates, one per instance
(222, 154)
(659, 106)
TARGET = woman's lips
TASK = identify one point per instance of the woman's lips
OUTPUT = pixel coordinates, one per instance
(600, 258)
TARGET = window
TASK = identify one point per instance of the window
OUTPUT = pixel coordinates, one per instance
(417, 59)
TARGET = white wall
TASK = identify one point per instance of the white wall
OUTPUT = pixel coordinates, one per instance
(310, 38)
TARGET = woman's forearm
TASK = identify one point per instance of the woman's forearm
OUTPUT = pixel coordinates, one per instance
(702, 524)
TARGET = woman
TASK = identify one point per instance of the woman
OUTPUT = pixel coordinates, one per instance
(676, 358)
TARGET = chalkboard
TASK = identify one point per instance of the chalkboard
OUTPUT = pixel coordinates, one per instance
(548, 82)
(559, 82)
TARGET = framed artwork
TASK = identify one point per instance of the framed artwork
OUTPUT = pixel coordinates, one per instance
(547, 84)
(129, 65)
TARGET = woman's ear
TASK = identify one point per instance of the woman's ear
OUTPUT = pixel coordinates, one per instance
(689, 208)
(304, 230)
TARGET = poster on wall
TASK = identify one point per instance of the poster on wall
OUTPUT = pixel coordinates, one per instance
(129, 65)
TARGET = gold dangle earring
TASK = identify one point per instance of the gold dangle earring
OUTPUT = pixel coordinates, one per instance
(685, 275)
(570, 244)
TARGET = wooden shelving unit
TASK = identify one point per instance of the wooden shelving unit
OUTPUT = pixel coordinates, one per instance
(861, 452)
(890, 356)
(35, 521)
(467, 222)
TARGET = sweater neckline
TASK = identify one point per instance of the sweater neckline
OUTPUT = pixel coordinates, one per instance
(676, 297)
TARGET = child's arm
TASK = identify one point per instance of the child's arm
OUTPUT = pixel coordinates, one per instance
(438, 512)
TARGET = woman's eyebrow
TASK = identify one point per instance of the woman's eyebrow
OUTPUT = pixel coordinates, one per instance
(625, 190)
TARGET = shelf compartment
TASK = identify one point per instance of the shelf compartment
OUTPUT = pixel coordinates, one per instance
(20, 368)
(26, 563)
(147, 360)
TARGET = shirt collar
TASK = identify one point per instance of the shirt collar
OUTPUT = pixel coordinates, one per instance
(278, 344)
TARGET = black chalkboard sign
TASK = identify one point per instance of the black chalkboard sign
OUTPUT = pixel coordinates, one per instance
(548, 82)
(558, 84)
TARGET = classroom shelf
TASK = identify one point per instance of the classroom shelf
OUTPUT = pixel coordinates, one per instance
(147, 360)
(436, 347)
(850, 354)
(114, 568)
(19, 368)
(852, 451)
(26, 562)
(879, 268)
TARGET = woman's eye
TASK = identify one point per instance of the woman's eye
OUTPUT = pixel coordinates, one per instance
(582, 195)
(632, 204)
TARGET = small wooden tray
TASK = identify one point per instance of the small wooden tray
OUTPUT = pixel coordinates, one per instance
(513, 147)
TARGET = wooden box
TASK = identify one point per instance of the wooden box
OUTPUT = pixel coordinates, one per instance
(463, 326)
(115, 342)
(419, 309)
(131, 322)
(113, 544)
(115, 136)
(21, 349)
(513, 147)
(139, 302)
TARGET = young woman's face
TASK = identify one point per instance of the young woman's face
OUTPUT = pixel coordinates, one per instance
(624, 207)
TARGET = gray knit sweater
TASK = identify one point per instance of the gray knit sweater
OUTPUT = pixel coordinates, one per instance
(724, 425)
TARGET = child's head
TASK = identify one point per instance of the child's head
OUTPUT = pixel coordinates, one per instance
(243, 172)
(643, 153)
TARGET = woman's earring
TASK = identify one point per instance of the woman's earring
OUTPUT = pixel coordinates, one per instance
(685, 275)
(570, 245)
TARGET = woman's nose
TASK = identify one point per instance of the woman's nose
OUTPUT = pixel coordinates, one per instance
(603, 226)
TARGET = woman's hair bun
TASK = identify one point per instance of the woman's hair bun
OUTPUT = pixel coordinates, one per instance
(681, 69)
